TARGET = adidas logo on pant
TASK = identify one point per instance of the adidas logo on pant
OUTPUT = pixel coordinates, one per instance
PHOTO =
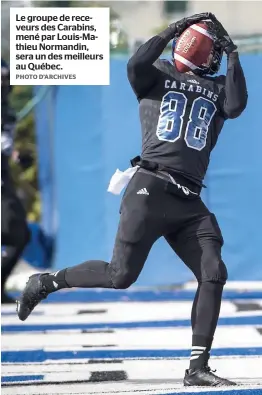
(142, 191)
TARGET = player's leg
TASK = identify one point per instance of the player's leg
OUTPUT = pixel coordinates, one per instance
(199, 244)
(141, 224)
(136, 234)
(15, 235)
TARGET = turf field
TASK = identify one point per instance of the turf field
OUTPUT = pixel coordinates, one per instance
(126, 342)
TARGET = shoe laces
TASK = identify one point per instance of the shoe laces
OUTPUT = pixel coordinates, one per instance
(208, 369)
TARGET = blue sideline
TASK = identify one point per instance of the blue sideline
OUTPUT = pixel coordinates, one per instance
(134, 295)
(236, 321)
(14, 379)
(41, 355)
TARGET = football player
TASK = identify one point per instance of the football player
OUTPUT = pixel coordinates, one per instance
(181, 118)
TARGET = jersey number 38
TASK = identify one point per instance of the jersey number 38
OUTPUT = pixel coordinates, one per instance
(171, 120)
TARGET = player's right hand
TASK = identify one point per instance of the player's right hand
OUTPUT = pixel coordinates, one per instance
(222, 37)
(180, 26)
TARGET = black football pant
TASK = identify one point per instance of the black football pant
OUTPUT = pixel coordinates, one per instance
(14, 231)
(187, 225)
(162, 209)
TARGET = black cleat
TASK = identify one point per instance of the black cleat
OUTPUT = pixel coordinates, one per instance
(33, 293)
(204, 377)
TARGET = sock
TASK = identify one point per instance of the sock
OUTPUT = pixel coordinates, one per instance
(204, 317)
(200, 352)
(54, 281)
(89, 274)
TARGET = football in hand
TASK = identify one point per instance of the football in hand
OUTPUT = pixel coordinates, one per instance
(193, 48)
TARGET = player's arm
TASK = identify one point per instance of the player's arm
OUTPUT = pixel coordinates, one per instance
(235, 84)
(141, 71)
(235, 87)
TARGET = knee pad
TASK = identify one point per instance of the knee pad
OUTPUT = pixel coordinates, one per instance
(120, 278)
(214, 270)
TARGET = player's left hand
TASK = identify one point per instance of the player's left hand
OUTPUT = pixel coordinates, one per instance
(222, 37)
(180, 26)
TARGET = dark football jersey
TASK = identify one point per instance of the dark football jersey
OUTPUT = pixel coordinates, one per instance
(181, 115)
(181, 118)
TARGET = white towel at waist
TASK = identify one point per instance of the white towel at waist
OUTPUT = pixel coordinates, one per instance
(120, 179)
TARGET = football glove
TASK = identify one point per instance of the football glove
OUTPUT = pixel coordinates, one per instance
(180, 26)
(222, 37)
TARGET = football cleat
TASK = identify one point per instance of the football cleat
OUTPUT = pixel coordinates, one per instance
(204, 377)
(33, 293)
